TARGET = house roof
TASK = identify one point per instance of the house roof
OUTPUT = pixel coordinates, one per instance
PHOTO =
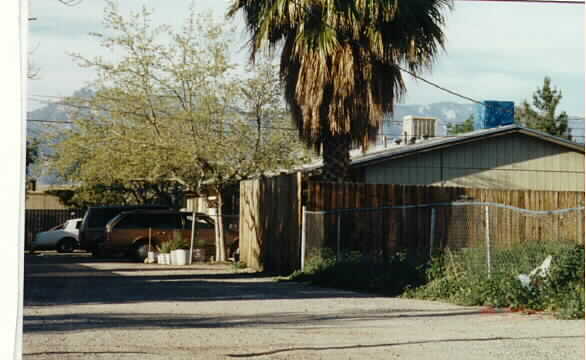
(398, 151)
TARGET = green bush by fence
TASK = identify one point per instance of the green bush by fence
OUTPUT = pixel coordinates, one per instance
(456, 277)
(461, 277)
(362, 273)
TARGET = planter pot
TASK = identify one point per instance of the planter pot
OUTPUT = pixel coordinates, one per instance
(164, 259)
(151, 257)
(180, 257)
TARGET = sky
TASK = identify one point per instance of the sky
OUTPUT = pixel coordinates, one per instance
(494, 51)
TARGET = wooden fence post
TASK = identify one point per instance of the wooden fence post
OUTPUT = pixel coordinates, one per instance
(432, 231)
(487, 233)
(579, 237)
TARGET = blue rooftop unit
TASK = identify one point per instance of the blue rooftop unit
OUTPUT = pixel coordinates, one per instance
(494, 113)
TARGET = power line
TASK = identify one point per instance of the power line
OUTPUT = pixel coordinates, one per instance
(51, 121)
(282, 128)
(254, 125)
(440, 87)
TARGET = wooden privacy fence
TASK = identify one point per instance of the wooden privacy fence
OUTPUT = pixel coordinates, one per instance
(269, 223)
(386, 230)
(37, 220)
(271, 220)
(379, 232)
(327, 196)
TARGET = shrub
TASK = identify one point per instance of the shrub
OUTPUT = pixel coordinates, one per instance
(362, 273)
(165, 247)
(461, 278)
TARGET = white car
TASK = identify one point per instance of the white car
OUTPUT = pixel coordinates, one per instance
(62, 238)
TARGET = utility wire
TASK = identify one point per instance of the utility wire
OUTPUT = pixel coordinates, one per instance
(277, 128)
(254, 125)
(439, 87)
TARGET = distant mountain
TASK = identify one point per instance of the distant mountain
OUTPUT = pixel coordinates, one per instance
(446, 112)
(53, 111)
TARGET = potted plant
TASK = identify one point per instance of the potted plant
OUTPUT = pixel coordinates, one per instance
(178, 247)
(164, 256)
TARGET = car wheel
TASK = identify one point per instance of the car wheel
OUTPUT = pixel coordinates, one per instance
(140, 251)
(66, 245)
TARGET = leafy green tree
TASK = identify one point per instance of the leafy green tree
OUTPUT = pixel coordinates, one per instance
(338, 61)
(466, 126)
(542, 115)
(32, 151)
(172, 108)
(130, 193)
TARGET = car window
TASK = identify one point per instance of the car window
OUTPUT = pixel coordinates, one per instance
(100, 217)
(165, 221)
(58, 227)
(202, 223)
(130, 221)
(77, 224)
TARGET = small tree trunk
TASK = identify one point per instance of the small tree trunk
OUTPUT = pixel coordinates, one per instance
(220, 248)
(336, 158)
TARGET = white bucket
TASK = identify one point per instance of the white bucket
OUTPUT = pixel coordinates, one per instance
(167, 259)
(151, 257)
(181, 256)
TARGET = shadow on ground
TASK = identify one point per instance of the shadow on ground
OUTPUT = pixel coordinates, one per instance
(281, 320)
(68, 280)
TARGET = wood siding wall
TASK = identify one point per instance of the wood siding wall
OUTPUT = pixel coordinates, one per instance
(514, 161)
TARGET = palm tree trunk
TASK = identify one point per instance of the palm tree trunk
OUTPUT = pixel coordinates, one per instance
(336, 158)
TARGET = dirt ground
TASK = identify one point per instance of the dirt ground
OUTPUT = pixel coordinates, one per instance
(77, 307)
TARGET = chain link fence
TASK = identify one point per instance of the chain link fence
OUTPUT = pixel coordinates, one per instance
(483, 237)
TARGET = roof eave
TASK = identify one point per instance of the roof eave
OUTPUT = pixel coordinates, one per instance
(414, 149)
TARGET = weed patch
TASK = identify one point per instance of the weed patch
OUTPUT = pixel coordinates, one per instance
(561, 291)
(360, 273)
(461, 277)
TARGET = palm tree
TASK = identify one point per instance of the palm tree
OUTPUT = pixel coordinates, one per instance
(339, 63)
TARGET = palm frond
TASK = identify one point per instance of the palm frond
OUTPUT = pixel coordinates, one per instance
(339, 57)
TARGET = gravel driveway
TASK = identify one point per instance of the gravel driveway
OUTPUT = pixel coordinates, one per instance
(79, 308)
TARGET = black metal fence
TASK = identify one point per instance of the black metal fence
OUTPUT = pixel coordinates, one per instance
(41, 220)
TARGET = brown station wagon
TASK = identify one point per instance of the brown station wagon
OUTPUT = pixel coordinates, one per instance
(129, 231)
